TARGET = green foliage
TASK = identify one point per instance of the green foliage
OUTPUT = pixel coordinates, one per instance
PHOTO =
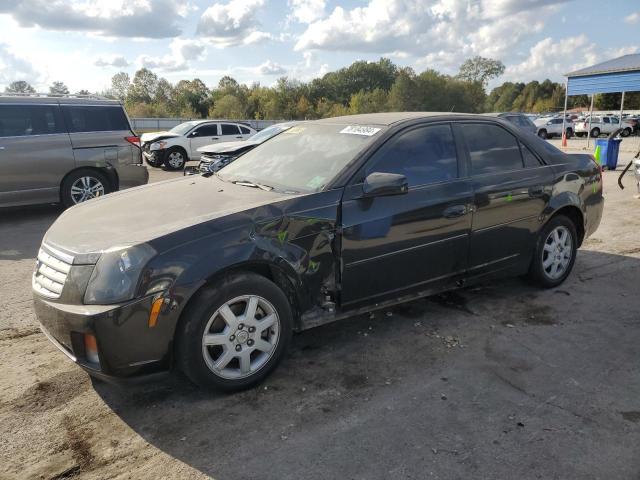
(58, 88)
(480, 69)
(362, 87)
(19, 86)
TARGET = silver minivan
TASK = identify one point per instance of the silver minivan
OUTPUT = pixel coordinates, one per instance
(65, 149)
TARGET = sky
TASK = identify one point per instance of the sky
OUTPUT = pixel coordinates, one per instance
(83, 43)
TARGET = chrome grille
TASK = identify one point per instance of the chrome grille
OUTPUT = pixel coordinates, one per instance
(51, 272)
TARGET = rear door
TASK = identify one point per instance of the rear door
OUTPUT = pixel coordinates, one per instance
(230, 132)
(201, 136)
(99, 135)
(511, 190)
(245, 132)
(414, 241)
(35, 153)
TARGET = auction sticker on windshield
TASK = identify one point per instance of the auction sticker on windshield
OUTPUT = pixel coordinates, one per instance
(360, 130)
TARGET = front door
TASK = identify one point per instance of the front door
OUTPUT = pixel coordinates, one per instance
(511, 190)
(35, 154)
(202, 136)
(392, 244)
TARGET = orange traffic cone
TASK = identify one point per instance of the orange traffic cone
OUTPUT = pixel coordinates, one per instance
(564, 139)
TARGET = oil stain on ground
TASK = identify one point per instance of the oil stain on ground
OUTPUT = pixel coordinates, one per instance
(53, 392)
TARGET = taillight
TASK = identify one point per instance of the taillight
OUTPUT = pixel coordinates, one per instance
(133, 140)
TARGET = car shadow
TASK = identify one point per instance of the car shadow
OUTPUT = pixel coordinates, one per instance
(22, 229)
(432, 385)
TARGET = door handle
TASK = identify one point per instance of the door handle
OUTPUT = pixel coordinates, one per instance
(455, 211)
(215, 138)
(239, 137)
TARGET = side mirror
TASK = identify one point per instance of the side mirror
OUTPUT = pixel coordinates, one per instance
(382, 184)
(549, 123)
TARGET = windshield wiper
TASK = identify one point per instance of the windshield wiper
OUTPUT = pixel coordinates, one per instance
(248, 183)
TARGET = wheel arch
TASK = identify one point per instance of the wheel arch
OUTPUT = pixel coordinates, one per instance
(110, 173)
(278, 274)
(574, 213)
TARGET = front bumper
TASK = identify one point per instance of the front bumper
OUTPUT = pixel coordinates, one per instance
(127, 346)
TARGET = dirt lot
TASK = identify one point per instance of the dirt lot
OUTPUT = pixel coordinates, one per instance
(501, 381)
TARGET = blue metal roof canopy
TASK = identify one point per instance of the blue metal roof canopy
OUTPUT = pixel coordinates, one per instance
(618, 75)
(621, 74)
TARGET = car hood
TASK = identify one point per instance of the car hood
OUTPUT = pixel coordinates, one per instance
(149, 137)
(227, 147)
(141, 214)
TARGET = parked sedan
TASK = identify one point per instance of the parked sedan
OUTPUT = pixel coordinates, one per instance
(215, 156)
(327, 220)
(180, 144)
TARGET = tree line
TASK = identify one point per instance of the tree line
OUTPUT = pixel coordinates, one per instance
(362, 87)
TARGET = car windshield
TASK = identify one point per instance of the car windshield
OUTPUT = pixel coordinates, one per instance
(267, 133)
(183, 128)
(305, 158)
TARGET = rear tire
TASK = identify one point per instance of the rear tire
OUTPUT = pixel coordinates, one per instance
(82, 185)
(569, 133)
(595, 133)
(543, 134)
(555, 252)
(221, 345)
(626, 132)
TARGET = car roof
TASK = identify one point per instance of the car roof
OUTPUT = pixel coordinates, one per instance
(388, 118)
(48, 100)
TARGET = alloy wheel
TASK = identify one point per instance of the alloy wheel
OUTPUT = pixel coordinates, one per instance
(240, 337)
(557, 252)
(86, 188)
(175, 159)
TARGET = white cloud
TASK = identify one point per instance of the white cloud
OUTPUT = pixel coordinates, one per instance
(442, 29)
(182, 52)
(117, 18)
(271, 68)
(307, 11)
(13, 67)
(233, 23)
(633, 18)
(553, 58)
(117, 61)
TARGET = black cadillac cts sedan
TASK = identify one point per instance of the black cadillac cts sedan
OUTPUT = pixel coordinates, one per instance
(211, 274)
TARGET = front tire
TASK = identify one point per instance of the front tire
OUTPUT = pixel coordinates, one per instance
(626, 132)
(83, 185)
(543, 134)
(175, 158)
(235, 333)
(595, 133)
(555, 252)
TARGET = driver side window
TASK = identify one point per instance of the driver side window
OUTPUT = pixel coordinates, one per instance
(206, 131)
(424, 155)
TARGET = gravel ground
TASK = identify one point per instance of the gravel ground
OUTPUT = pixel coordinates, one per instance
(498, 381)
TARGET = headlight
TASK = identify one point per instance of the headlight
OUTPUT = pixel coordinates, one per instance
(116, 275)
(157, 145)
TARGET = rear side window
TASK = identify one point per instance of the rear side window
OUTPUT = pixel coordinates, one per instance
(424, 155)
(244, 130)
(94, 118)
(492, 149)
(530, 160)
(25, 120)
(228, 129)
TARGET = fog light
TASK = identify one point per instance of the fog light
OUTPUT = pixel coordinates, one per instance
(91, 348)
